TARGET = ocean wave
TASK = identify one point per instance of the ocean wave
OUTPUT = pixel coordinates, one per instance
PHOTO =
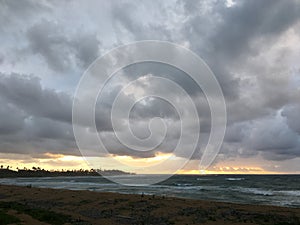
(183, 185)
(203, 179)
(236, 178)
(198, 188)
(291, 193)
(229, 188)
(255, 191)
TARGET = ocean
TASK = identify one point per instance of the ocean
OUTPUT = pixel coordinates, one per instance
(278, 190)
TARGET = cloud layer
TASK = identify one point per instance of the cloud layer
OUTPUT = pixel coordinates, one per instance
(252, 47)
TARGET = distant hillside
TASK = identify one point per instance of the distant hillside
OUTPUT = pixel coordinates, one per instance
(6, 173)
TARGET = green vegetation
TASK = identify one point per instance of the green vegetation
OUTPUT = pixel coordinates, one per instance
(38, 214)
(7, 219)
(38, 172)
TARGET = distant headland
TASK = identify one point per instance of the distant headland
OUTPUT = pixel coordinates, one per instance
(39, 172)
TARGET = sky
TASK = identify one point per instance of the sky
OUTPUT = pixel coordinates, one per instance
(252, 47)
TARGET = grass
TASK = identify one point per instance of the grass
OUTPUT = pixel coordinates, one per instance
(38, 214)
(7, 219)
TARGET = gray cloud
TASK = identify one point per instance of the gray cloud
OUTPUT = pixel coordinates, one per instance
(251, 47)
(292, 115)
(12, 119)
(249, 20)
(272, 134)
(50, 41)
(13, 12)
(27, 93)
(34, 120)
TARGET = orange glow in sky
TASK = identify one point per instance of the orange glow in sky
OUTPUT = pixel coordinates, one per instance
(51, 161)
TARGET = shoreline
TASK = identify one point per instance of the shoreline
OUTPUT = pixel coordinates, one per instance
(231, 189)
(88, 207)
(149, 194)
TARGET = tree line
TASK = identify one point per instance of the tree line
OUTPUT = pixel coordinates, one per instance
(6, 172)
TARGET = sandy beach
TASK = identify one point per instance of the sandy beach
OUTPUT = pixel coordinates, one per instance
(27, 205)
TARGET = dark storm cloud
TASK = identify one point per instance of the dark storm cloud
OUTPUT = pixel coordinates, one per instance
(134, 71)
(272, 135)
(236, 132)
(11, 118)
(234, 29)
(154, 107)
(239, 33)
(248, 20)
(233, 40)
(46, 39)
(291, 113)
(39, 136)
(34, 120)
(226, 37)
(86, 48)
(26, 93)
(47, 128)
(51, 41)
